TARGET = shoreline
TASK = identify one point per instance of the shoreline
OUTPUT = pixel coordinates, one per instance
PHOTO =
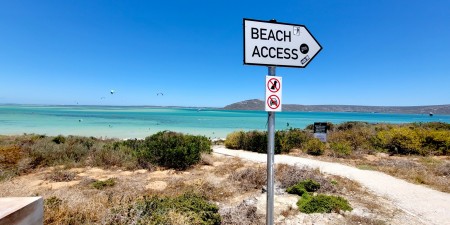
(132, 122)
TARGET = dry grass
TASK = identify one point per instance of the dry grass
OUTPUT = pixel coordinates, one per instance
(429, 171)
(59, 175)
(229, 182)
(288, 176)
(433, 171)
(250, 178)
(242, 214)
(358, 220)
(443, 169)
(206, 159)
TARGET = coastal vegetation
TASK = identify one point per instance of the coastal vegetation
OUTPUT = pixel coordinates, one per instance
(197, 187)
(25, 153)
(188, 208)
(81, 186)
(417, 152)
(353, 137)
(309, 203)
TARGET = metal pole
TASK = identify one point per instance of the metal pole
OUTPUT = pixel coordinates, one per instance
(270, 160)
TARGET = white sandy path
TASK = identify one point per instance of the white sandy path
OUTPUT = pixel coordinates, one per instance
(428, 205)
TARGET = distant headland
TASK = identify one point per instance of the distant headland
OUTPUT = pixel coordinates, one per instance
(256, 104)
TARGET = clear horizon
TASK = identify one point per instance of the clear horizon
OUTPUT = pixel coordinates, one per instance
(190, 54)
(218, 107)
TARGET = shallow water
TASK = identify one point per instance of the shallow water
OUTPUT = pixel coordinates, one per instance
(139, 122)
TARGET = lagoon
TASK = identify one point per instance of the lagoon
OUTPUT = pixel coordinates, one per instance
(140, 121)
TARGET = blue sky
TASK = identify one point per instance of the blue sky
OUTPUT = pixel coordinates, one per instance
(382, 52)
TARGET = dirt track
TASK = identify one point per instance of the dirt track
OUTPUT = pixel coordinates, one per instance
(427, 205)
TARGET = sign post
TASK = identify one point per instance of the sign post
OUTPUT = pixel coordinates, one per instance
(270, 151)
(273, 44)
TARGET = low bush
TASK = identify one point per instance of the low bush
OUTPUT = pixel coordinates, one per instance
(250, 178)
(322, 204)
(61, 175)
(287, 176)
(255, 141)
(351, 125)
(303, 187)
(435, 142)
(400, 140)
(292, 138)
(187, 208)
(174, 150)
(357, 136)
(348, 137)
(341, 149)
(244, 213)
(46, 152)
(52, 202)
(103, 184)
(235, 140)
(116, 154)
(315, 147)
(21, 154)
(59, 139)
(433, 125)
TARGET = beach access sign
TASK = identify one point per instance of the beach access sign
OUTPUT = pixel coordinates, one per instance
(273, 94)
(278, 44)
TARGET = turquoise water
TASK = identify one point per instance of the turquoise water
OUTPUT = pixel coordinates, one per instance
(139, 122)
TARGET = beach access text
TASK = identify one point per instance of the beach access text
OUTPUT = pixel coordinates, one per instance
(272, 43)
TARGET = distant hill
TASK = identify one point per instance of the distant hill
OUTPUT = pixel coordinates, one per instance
(256, 104)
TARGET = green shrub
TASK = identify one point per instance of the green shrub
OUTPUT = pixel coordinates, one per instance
(436, 142)
(256, 141)
(433, 125)
(59, 139)
(292, 138)
(117, 154)
(174, 150)
(303, 187)
(341, 149)
(52, 202)
(351, 125)
(184, 209)
(235, 140)
(358, 137)
(322, 204)
(103, 184)
(400, 140)
(315, 147)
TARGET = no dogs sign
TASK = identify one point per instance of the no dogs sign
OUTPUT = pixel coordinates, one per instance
(273, 94)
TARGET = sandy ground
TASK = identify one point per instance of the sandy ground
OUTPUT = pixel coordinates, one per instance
(426, 205)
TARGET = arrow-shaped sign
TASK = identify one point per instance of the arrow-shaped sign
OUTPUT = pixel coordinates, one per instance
(278, 44)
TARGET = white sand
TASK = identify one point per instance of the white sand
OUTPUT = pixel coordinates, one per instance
(427, 205)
